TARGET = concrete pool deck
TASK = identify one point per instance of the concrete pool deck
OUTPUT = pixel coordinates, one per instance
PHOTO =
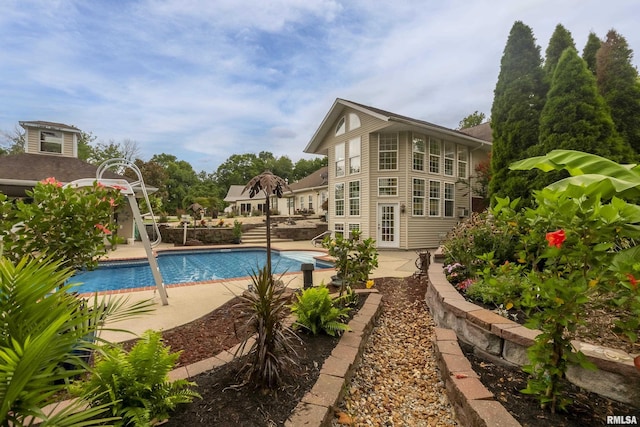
(192, 301)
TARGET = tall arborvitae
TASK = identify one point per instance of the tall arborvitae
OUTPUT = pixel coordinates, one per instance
(590, 50)
(517, 102)
(575, 116)
(618, 84)
(561, 39)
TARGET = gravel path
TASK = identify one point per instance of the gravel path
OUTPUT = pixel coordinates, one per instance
(397, 382)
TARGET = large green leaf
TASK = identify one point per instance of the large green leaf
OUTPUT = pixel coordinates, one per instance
(597, 174)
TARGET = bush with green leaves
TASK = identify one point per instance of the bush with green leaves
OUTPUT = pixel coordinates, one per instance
(354, 258)
(271, 353)
(44, 328)
(70, 223)
(316, 312)
(499, 285)
(479, 234)
(135, 385)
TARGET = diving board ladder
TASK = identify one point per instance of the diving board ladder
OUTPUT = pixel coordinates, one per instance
(128, 189)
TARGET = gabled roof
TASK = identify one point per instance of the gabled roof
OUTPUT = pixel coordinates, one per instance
(49, 125)
(235, 193)
(21, 171)
(314, 180)
(337, 110)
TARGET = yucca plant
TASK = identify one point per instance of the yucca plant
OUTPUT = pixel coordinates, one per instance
(44, 327)
(316, 312)
(137, 382)
(266, 307)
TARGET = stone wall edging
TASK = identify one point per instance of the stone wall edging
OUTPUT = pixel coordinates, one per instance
(507, 341)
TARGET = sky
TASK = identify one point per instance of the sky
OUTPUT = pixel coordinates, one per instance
(205, 79)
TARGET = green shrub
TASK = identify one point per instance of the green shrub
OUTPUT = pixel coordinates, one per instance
(499, 285)
(266, 307)
(136, 383)
(316, 312)
(354, 259)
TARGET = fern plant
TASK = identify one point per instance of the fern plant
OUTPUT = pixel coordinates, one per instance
(136, 384)
(270, 354)
(316, 312)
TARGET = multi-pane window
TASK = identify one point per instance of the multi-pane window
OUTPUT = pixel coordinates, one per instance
(338, 229)
(354, 155)
(463, 160)
(388, 151)
(354, 198)
(51, 141)
(434, 198)
(353, 227)
(387, 186)
(354, 121)
(435, 153)
(449, 190)
(339, 198)
(419, 149)
(339, 150)
(419, 194)
(449, 158)
(301, 202)
(310, 201)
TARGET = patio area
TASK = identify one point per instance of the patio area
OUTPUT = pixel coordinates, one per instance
(192, 301)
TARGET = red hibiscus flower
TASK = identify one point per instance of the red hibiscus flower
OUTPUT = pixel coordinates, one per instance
(556, 238)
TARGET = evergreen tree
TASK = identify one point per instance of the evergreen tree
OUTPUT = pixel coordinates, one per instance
(561, 39)
(518, 100)
(575, 116)
(590, 50)
(618, 83)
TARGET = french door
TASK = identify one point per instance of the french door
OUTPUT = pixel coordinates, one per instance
(388, 225)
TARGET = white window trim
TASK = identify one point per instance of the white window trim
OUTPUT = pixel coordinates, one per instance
(396, 186)
(439, 198)
(61, 142)
(397, 150)
(466, 162)
(445, 200)
(359, 156)
(344, 198)
(424, 197)
(335, 228)
(348, 190)
(439, 156)
(424, 153)
(452, 159)
(340, 159)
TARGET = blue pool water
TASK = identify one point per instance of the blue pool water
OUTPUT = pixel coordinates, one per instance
(191, 266)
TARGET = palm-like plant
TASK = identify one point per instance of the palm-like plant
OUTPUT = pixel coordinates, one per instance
(268, 184)
(44, 328)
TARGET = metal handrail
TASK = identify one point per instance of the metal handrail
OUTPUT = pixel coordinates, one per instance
(119, 164)
(313, 241)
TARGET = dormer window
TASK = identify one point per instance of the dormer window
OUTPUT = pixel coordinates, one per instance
(51, 141)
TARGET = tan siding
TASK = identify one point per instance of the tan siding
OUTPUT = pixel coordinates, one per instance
(33, 143)
(67, 145)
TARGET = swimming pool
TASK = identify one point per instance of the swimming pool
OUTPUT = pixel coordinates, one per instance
(191, 266)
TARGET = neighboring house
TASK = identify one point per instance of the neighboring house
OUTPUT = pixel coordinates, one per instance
(402, 181)
(242, 204)
(308, 194)
(306, 197)
(51, 150)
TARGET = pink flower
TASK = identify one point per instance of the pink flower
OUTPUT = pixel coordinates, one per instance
(556, 238)
(51, 180)
(118, 187)
(102, 228)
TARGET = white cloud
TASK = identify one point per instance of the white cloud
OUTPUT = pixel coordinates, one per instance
(203, 80)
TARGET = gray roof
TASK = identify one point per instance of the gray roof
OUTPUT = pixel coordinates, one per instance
(316, 179)
(482, 131)
(49, 125)
(22, 171)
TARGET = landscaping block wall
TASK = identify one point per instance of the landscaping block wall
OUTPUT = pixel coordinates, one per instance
(502, 340)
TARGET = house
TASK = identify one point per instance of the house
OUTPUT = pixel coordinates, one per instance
(309, 194)
(51, 150)
(402, 181)
(306, 197)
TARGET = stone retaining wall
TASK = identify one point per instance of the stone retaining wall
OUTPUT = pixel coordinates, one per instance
(502, 340)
